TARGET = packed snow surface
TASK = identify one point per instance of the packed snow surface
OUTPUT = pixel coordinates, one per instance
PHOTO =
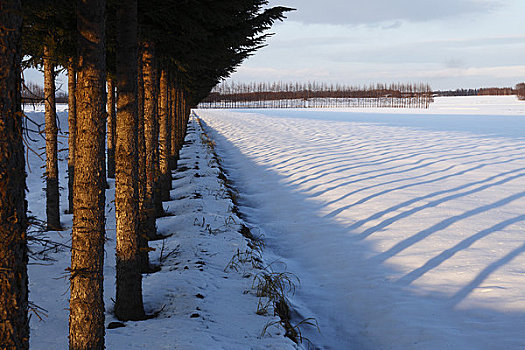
(405, 227)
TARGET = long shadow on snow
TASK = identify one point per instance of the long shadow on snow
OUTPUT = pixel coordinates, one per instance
(404, 244)
(345, 290)
(386, 158)
(441, 160)
(482, 276)
(387, 222)
(464, 244)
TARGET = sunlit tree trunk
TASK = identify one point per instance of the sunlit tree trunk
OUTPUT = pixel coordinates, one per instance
(52, 195)
(157, 198)
(169, 124)
(149, 74)
(86, 320)
(104, 131)
(72, 123)
(128, 303)
(111, 125)
(14, 324)
(174, 154)
(141, 149)
(165, 175)
(180, 119)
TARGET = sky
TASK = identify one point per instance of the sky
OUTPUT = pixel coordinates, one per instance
(447, 43)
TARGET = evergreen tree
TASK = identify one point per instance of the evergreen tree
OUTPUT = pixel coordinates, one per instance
(128, 303)
(72, 123)
(51, 175)
(149, 78)
(49, 41)
(14, 324)
(111, 125)
(165, 175)
(86, 320)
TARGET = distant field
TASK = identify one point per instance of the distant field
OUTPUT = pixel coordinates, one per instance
(405, 226)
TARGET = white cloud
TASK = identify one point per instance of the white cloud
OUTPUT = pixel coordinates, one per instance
(468, 44)
(489, 72)
(359, 74)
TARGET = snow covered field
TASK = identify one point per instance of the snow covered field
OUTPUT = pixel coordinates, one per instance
(405, 227)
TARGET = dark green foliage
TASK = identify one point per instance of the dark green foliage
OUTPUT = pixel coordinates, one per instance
(207, 39)
(52, 23)
(200, 42)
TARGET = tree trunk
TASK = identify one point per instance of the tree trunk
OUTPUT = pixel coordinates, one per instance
(86, 320)
(168, 133)
(174, 154)
(72, 122)
(157, 198)
(165, 174)
(141, 149)
(150, 141)
(52, 195)
(180, 120)
(187, 110)
(128, 303)
(105, 184)
(14, 325)
(183, 117)
(111, 124)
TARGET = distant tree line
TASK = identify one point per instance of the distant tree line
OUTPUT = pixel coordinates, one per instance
(520, 91)
(492, 91)
(495, 91)
(135, 68)
(32, 93)
(457, 92)
(316, 95)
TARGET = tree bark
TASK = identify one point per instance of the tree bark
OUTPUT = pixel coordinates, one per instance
(105, 184)
(141, 149)
(52, 194)
(128, 303)
(14, 324)
(168, 123)
(165, 174)
(187, 110)
(173, 128)
(183, 119)
(150, 141)
(72, 126)
(180, 120)
(111, 125)
(157, 198)
(86, 320)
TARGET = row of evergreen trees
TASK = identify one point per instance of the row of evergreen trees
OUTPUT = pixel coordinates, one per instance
(157, 58)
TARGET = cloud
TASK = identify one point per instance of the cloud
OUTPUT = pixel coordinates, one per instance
(455, 63)
(494, 72)
(451, 53)
(447, 43)
(280, 74)
(354, 12)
